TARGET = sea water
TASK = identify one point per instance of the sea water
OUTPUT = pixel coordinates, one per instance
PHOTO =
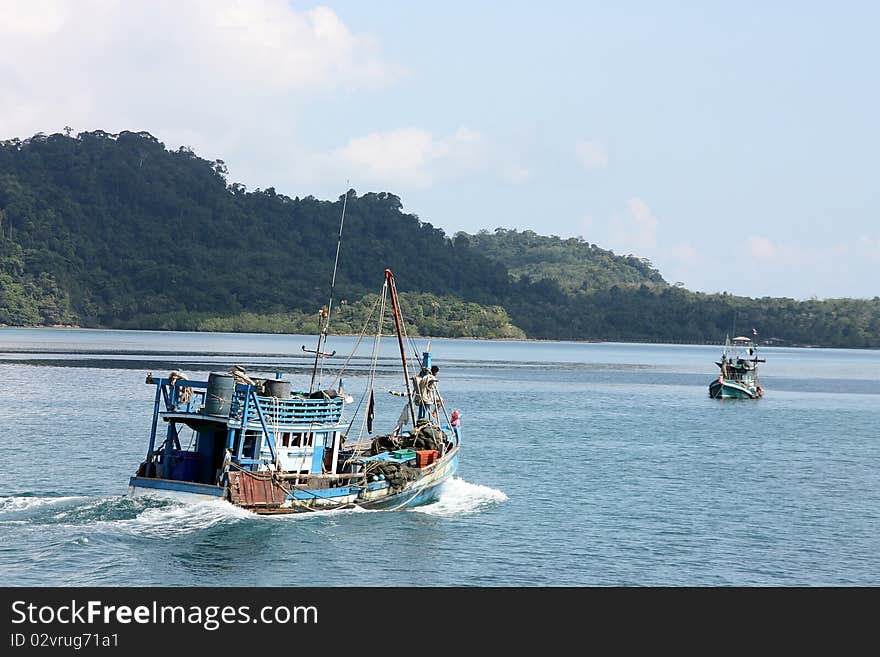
(583, 464)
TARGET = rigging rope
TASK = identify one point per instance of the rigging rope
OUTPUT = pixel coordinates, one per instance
(326, 328)
(357, 344)
(419, 359)
(381, 301)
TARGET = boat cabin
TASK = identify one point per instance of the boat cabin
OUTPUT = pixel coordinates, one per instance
(256, 426)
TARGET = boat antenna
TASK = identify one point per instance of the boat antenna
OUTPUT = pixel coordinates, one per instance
(392, 288)
(325, 312)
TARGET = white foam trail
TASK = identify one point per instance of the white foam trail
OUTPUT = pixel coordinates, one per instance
(13, 504)
(458, 497)
(170, 519)
(180, 518)
(173, 519)
(317, 514)
(94, 503)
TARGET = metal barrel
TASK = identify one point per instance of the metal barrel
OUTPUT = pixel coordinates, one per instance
(219, 394)
(278, 388)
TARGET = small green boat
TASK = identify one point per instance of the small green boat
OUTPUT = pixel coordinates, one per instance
(739, 371)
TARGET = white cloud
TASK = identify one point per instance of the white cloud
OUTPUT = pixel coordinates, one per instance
(413, 156)
(761, 248)
(869, 246)
(636, 231)
(516, 174)
(269, 45)
(685, 253)
(37, 18)
(765, 250)
(591, 155)
(466, 148)
(227, 77)
(260, 45)
(682, 263)
(773, 267)
(863, 248)
(587, 226)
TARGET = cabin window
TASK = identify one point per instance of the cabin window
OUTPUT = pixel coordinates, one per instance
(250, 441)
(300, 439)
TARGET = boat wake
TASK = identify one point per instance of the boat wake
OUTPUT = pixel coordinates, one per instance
(155, 518)
(458, 497)
(176, 519)
(10, 506)
(142, 516)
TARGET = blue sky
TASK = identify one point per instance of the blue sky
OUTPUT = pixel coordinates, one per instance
(735, 146)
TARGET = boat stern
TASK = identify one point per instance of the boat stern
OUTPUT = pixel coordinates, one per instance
(722, 389)
(183, 491)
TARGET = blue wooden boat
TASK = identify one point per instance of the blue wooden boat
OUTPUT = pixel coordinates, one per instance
(262, 446)
(738, 378)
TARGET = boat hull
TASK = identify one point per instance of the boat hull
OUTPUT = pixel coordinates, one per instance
(725, 389)
(421, 491)
(183, 491)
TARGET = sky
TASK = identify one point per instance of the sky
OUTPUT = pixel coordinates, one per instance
(733, 145)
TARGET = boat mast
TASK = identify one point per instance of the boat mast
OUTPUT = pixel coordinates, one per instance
(325, 315)
(389, 278)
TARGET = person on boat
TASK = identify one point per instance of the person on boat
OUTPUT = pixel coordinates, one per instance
(426, 395)
(428, 392)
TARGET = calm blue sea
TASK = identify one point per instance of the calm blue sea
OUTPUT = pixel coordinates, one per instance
(582, 464)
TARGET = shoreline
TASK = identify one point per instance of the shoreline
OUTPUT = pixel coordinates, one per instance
(434, 337)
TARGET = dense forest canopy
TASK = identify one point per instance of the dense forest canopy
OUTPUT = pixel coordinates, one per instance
(576, 265)
(116, 230)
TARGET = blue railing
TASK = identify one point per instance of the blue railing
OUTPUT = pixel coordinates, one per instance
(295, 410)
(291, 411)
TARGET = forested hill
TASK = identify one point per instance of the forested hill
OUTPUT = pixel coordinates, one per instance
(576, 265)
(113, 229)
(117, 231)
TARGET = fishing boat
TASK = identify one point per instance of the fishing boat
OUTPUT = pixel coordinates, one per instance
(738, 378)
(263, 446)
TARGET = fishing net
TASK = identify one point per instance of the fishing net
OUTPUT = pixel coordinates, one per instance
(424, 436)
